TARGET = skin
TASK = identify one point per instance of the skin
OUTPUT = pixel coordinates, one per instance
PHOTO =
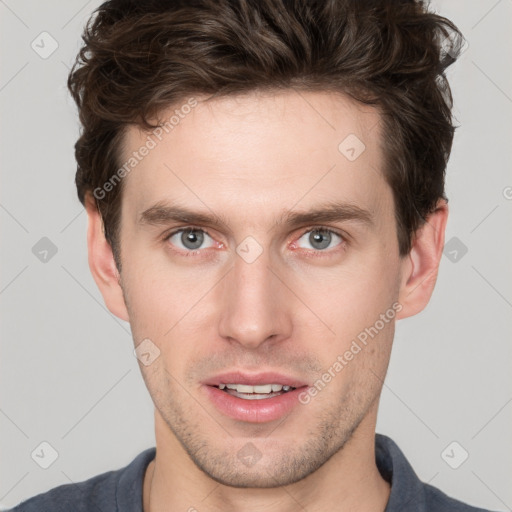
(252, 158)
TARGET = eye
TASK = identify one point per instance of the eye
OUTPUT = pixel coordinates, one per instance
(189, 239)
(320, 239)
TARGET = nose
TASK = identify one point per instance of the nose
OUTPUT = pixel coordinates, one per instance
(254, 304)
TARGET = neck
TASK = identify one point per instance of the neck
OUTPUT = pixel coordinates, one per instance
(349, 480)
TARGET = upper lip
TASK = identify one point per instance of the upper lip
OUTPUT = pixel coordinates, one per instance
(254, 379)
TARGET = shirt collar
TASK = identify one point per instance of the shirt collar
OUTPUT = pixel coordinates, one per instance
(406, 488)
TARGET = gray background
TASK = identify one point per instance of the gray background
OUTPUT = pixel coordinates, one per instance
(67, 370)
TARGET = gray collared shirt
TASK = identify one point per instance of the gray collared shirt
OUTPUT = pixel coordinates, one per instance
(121, 490)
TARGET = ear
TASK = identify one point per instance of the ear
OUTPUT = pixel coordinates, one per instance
(421, 265)
(102, 263)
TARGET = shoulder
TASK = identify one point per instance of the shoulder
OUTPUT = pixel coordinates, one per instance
(92, 494)
(408, 492)
(108, 491)
(438, 501)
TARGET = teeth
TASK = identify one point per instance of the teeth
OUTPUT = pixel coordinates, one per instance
(252, 396)
(243, 388)
(264, 388)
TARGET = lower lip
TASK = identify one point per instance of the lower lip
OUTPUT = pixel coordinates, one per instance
(254, 411)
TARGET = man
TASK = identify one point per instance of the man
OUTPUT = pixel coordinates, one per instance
(264, 182)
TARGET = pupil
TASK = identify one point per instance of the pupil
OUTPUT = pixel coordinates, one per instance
(193, 237)
(316, 238)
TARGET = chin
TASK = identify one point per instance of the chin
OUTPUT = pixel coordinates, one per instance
(274, 465)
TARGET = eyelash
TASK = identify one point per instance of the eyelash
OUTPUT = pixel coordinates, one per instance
(311, 252)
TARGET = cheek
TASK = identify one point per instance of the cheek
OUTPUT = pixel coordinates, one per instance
(172, 308)
(154, 301)
(351, 296)
(151, 277)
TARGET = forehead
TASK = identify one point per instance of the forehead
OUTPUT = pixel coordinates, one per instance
(254, 155)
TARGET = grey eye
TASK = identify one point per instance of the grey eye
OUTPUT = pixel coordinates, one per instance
(320, 239)
(189, 239)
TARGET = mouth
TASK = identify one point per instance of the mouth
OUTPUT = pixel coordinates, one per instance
(254, 398)
(261, 392)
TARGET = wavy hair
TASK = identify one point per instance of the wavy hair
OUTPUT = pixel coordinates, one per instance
(140, 57)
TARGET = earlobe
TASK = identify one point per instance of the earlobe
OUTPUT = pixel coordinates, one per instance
(420, 267)
(102, 263)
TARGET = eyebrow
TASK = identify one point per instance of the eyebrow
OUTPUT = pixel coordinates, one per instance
(163, 213)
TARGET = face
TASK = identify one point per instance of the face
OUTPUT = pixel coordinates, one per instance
(258, 291)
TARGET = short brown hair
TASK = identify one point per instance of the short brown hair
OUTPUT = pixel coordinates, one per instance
(140, 58)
